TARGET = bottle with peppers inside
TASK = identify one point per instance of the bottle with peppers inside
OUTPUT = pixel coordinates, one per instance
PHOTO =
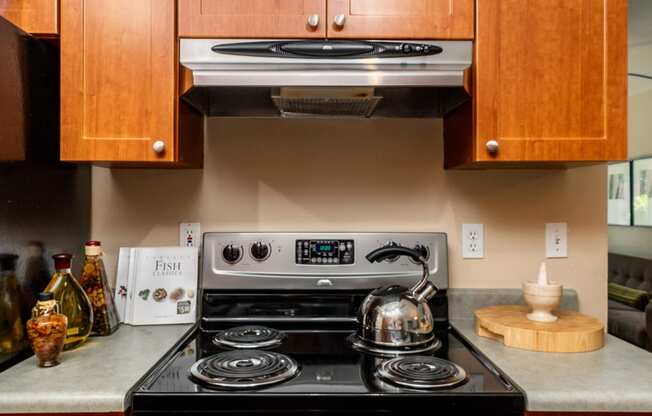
(94, 281)
(47, 330)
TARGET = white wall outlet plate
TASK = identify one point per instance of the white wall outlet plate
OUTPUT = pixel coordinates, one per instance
(189, 234)
(472, 241)
(556, 240)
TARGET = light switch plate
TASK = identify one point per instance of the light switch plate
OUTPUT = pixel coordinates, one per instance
(189, 234)
(556, 240)
(472, 241)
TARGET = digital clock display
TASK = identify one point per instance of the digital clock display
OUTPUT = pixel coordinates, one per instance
(324, 248)
(325, 252)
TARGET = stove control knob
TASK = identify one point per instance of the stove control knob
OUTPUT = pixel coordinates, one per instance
(391, 244)
(260, 251)
(232, 254)
(425, 253)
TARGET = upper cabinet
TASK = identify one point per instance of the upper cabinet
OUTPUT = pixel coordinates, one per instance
(252, 18)
(39, 17)
(400, 19)
(367, 19)
(549, 85)
(119, 88)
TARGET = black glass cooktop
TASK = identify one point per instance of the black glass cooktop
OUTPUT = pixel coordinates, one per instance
(332, 377)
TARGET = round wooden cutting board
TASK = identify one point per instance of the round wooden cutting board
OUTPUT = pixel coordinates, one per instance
(572, 332)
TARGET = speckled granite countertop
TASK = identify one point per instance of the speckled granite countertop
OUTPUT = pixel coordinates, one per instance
(94, 378)
(616, 378)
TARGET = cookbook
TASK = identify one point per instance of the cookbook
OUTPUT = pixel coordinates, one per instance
(157, 285)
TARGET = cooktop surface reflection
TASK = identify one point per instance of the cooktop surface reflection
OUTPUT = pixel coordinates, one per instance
(327, 365)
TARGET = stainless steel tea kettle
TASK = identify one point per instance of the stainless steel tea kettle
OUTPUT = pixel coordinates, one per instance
(395, 316)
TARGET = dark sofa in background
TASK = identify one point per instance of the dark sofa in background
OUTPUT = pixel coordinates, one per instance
(627, 322)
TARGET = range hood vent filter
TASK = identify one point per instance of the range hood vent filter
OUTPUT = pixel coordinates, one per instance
(326, 102)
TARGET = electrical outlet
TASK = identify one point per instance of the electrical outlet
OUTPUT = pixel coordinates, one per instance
(556, 240)
(189, 234)
(472, 241)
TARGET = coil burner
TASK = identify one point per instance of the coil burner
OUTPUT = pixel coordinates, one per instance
(244, 369)
(367, 347)
(421, 372)
(249, 337)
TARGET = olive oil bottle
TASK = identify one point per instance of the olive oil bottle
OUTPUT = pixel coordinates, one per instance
(74, 302)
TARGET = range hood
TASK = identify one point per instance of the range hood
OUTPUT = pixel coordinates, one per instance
(321, 78)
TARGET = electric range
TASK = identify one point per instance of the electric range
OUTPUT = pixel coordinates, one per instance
(276, 335)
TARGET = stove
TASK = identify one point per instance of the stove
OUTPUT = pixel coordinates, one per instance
(277, 334)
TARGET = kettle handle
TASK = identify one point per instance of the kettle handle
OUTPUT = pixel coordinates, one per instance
(383, 253)
(423, 290)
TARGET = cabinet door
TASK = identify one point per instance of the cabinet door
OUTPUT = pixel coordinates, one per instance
(38, 17)
(252, 18)
(400, 19)
(551, 80)
(118, 88)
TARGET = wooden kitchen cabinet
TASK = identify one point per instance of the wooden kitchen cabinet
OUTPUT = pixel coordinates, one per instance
(400, 19)
(549, 84)
(38, 17)
(119, 85)
(252, 18)
(366, 19)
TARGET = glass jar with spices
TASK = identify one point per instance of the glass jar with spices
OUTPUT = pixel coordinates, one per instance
(74, 302)
(12, 331)
(47, 330)
(96, 286)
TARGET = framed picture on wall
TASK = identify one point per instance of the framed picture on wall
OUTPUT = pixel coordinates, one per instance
(619, 194)
(642, 198)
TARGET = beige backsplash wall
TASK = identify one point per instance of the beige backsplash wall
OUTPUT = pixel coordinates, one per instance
(367, 175)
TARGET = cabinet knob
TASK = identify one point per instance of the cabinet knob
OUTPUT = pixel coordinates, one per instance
(159, 146)
(313, 21)
(339, 20)
(492, 147)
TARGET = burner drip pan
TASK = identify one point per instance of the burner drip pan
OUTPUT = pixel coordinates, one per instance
(366, 347)
(244, 369)
(249, 337)
(421, 372)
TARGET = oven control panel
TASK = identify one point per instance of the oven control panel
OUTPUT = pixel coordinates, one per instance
(317, 261)
(324, 252)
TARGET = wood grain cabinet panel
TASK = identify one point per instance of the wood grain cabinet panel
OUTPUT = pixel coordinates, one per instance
(401, 19)
(251, 18)
(39, 17)
(549, 84)
(118, 80)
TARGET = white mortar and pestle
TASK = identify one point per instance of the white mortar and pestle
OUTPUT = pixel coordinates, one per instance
(543, 296)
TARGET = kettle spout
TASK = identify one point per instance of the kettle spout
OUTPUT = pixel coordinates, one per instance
(424, 290)
(425, 293)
